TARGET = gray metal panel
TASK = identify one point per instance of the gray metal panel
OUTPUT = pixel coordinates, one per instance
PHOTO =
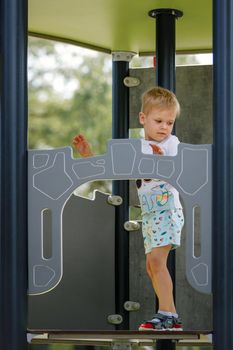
(189, 172)
(194, 92)
(85, 297)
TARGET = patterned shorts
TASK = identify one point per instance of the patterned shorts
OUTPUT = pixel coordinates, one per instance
(161, 228)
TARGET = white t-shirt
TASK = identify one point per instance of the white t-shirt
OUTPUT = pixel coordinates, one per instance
(155, 194)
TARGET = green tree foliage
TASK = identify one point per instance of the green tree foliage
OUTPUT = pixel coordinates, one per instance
(68, 96)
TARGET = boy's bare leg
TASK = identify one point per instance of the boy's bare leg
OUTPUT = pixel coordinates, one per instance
(160, 277)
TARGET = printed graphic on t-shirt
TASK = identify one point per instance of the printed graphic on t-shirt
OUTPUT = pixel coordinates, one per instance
(156, 196)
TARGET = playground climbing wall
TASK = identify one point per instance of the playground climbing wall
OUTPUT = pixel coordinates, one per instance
(76, 246)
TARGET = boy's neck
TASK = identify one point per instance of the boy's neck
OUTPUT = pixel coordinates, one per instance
(150, 140)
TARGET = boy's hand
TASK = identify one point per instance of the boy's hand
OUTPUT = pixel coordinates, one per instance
(82, 146)
(156, 149)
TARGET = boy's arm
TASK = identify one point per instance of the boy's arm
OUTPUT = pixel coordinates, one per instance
(82, 146)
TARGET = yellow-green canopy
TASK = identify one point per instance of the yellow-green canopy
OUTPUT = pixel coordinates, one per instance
(120, 25)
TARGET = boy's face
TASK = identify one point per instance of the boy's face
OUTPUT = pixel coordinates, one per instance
(158, 123)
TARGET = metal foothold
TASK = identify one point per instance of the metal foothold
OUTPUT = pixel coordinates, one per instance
(115, 200)
(115, 319)
(131, 306)
(131, 81)
(131, 225)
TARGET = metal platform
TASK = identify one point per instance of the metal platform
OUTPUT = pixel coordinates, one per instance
(120, 339)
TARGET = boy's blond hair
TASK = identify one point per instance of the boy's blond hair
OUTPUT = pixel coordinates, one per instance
(161, 98)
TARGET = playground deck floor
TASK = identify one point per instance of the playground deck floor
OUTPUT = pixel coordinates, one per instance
(120, 338)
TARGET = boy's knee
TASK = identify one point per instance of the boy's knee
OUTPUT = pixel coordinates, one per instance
(157, 265)
(157, 262)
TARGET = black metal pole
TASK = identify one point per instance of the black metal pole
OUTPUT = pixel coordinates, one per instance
(165, 68)
(222, 175)
(165, 46)
(165, 77)
(13, 174)
(120, 129)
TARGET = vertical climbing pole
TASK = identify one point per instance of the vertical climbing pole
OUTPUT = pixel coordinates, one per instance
(13, 174)
(120, 129)
(166, 46)
(165, 77)
(222, 175)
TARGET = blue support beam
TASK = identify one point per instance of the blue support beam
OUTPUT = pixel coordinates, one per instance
(13, 174)
(223, 175)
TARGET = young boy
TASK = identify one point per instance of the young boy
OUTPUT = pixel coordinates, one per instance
(162, 215)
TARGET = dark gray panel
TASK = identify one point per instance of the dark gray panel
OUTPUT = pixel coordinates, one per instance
(194, 91)
(86, 294)
(147, 81)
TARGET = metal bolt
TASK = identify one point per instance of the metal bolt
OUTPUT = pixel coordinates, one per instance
(115, 319)
(131, 306)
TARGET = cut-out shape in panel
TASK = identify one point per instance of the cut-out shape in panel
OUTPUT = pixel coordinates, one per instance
(146, 166)
(200, 274)
(43, 275)
(198, 166)
(81, 170)
(49, 183)
(123, 158)
(165, 168)
(101, 161)
(196, 230)
(40, 160)
(47, 233)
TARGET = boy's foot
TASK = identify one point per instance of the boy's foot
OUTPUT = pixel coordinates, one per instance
(177, 324)
(158, 323)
